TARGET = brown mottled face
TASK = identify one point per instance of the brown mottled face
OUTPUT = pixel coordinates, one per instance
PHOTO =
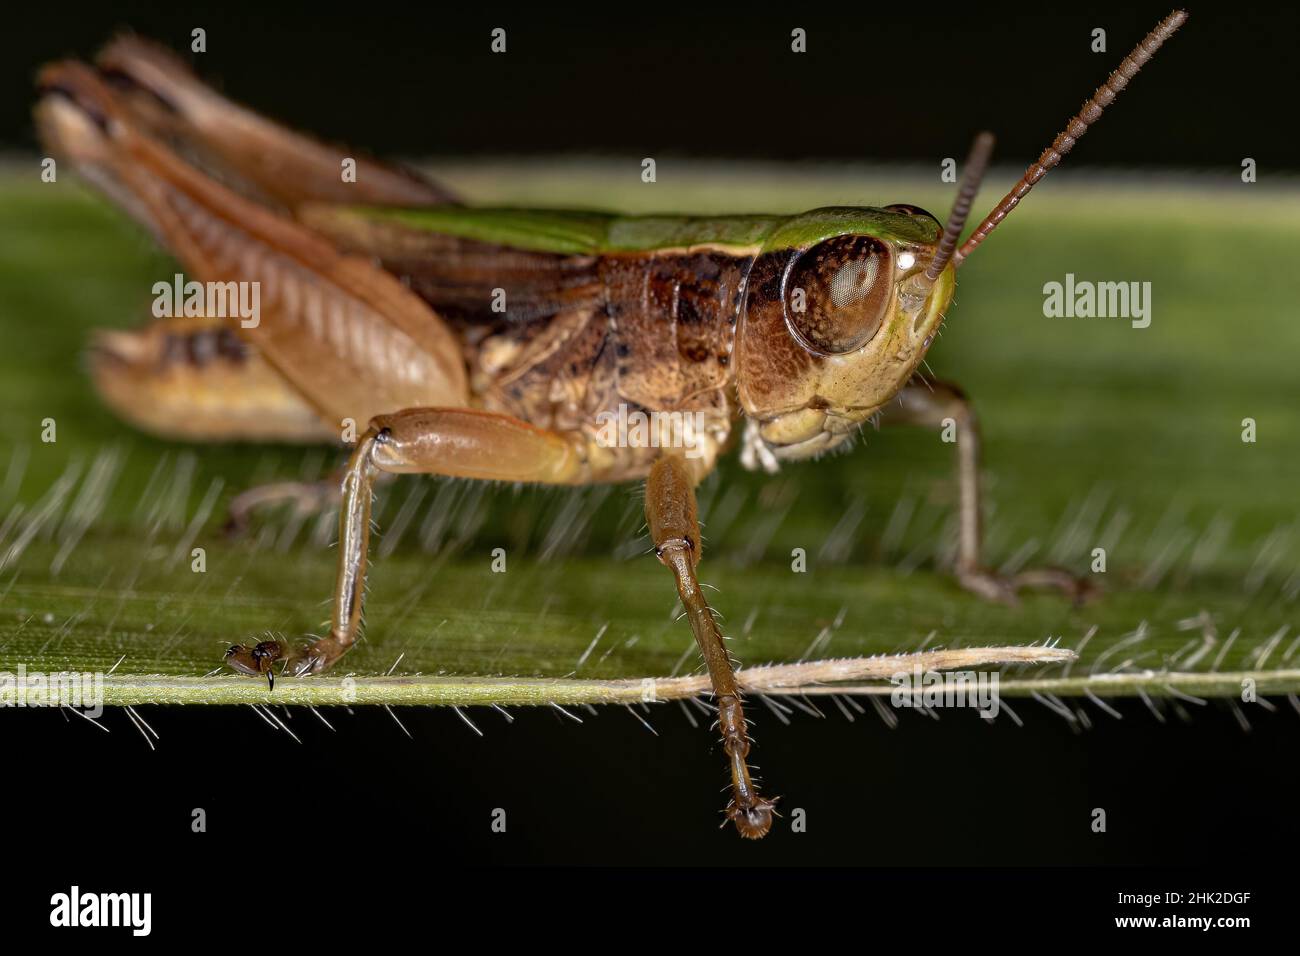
(831, 331)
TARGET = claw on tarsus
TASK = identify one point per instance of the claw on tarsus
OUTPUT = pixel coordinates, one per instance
(1005, 588)
(753, 822)
(256, 660)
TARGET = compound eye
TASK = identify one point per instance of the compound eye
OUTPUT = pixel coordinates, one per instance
(837, 292)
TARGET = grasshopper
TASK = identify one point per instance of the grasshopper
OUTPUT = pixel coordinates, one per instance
(494, 344)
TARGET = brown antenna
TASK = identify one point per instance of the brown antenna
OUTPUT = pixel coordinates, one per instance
(977, 162)
(1065, 141)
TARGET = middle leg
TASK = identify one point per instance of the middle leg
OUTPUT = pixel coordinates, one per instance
(455, 442)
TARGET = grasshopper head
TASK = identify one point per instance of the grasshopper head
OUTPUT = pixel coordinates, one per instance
(838, 315)
(842, 304)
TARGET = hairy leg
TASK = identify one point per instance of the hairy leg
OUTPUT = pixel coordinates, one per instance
(675, 530)
(456, 442)
(928, 404)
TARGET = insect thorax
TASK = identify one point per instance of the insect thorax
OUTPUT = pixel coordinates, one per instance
(638, 343)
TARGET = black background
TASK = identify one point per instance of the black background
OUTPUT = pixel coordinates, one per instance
(879, 82)
(355, 832)
(608, 791)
